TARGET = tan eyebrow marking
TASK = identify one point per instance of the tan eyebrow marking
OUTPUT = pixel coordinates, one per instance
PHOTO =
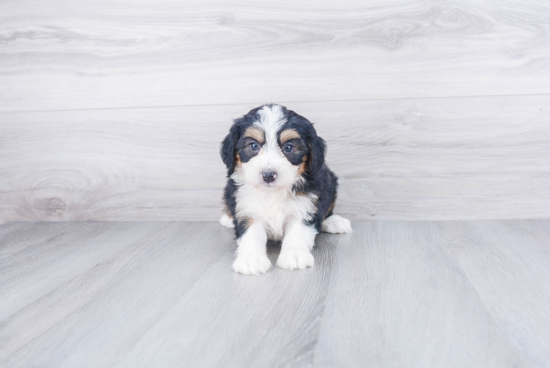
(255, 133)
(288, 134)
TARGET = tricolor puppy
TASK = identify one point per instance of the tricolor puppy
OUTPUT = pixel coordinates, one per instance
(278, 187)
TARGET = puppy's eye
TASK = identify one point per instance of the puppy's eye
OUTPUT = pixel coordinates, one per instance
(254, 146)
(288, 148)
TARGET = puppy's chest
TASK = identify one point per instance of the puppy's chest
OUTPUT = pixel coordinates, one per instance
(274, 209)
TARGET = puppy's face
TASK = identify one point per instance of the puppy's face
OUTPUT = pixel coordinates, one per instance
(272, 148)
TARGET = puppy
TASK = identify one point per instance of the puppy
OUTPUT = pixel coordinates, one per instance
(278, 187)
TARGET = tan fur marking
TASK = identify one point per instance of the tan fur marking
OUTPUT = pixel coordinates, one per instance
(247, 221)
(255, 133)
(238, 162)
(303, 166)
(288, 134)
(331, 206)
(227, 212)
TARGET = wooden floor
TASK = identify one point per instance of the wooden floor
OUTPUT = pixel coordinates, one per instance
(162, 294)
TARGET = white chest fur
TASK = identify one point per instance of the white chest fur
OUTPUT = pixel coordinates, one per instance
(274, 208)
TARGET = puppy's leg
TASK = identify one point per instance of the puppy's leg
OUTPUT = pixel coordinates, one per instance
(336, 225)
(297, 243)
(226, 221)
(251, 254)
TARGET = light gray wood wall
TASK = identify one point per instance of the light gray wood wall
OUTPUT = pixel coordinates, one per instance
(432, 110)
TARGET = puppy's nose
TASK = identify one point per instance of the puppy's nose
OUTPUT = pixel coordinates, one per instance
(269, 176)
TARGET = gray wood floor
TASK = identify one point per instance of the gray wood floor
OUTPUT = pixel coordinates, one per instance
(162, 294)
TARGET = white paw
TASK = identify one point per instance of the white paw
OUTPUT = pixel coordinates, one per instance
(295, 259)
(255, 264)
(336, 225)
(226, 221)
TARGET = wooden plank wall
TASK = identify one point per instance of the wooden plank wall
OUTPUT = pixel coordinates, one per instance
(114, 110)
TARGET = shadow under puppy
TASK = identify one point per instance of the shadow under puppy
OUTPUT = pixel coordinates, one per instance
(278, 187)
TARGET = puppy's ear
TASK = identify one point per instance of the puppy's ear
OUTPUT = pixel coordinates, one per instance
(317, 151)
(227, 148)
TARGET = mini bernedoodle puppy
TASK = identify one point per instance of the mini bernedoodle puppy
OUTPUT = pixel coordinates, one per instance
(278, 187)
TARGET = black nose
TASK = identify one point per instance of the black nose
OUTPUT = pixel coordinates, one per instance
(269, 176)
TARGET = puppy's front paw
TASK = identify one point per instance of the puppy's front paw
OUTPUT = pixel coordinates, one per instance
(295, 259)
(254, 264)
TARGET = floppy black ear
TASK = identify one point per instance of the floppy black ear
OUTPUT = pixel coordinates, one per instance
(317, 155)
(227, 149)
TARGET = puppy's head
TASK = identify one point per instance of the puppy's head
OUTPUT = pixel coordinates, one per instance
(273, 148)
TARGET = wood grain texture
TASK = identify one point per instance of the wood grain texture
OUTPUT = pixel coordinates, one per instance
(412, 306)
(74, 270)
(392, 294)
(104, 54)
(156, 297)
(520, 259)
(450, 158)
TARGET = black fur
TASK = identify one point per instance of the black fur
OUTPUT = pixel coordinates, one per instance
(231, 205)
(299, 150)
(318, 177)
(228, 149)
(315, 144)
(325, 185)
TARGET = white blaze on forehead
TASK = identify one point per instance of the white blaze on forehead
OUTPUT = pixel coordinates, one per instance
(271, 121)
(270, 157)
